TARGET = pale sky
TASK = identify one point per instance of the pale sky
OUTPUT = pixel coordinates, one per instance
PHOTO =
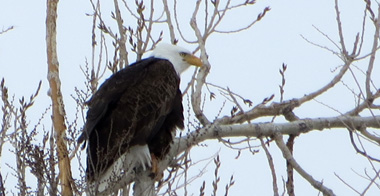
(246, 62)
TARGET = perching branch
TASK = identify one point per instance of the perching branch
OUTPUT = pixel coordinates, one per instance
(268, 129)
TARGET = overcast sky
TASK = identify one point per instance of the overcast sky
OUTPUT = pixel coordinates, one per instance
(246, 62)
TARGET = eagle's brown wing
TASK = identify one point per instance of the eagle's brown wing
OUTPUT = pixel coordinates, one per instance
(138, 105)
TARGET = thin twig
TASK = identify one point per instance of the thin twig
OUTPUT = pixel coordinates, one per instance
(271, 166)
(340, 31)
(344, 182)
(358, 150)
(6, 30)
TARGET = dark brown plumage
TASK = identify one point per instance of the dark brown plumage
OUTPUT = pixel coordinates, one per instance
(139, 105)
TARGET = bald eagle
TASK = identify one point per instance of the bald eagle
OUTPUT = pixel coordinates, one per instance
(135, 112)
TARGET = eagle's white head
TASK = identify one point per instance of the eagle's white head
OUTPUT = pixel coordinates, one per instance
(178, 56)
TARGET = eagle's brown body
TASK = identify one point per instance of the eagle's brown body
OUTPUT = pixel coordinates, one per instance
(139, 105)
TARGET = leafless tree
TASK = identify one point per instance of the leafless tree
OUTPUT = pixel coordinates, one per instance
(133, 29)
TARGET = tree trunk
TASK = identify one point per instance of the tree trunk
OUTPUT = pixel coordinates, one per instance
(58, 115)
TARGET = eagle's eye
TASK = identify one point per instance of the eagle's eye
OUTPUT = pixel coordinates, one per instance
(182, 54)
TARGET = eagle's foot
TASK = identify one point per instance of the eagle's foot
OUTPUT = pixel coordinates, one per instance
(156, 174)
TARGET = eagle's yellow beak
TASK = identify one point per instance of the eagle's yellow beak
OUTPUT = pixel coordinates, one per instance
(193, 60)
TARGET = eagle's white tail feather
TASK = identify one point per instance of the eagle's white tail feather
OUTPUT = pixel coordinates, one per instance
(137, 156)
(141, 155)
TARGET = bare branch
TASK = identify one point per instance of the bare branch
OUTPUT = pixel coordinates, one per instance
(123, 61)
(289, 157)
(259, 17)
(268, 129)
(261, 110)
(320, 46)
(372, 57)
(201, 77)
(342, 180)
(364, 153)
(271, 166)
(6, 30)
(169, 22)
(340, 31)
(2, 189)
(328, 86)
(372, 181)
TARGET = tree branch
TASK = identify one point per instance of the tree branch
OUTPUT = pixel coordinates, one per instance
(249, 130)
(123, 51)
(215, 131)
(271, 166)
(201, 77)
(289, 158)
(58, 115)
(260, 110)
(169, 22)
(373, 54)
(340, 30)
(2, 189)
(6, 30)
